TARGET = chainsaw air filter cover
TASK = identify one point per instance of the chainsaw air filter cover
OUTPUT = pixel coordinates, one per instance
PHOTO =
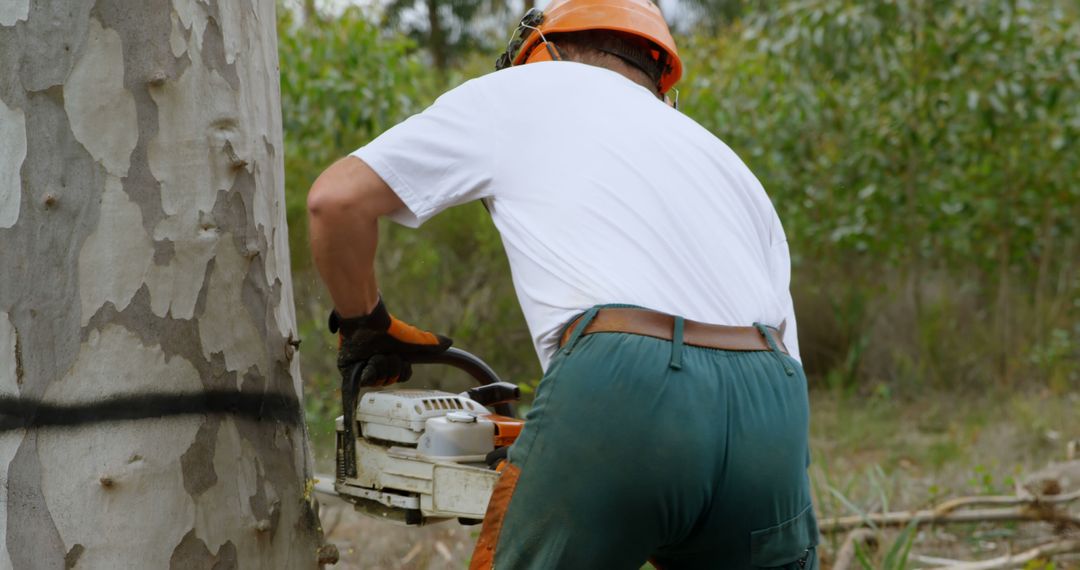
(400, 416)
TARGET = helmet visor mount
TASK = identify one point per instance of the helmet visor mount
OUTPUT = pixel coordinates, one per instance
(528, 26)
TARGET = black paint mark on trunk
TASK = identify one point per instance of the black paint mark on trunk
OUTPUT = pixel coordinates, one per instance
(17, 413)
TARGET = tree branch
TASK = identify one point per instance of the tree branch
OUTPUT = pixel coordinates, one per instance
(924, 517)
(1014, 560)
(963, 502)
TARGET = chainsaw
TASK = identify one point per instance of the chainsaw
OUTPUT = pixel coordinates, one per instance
(416, 457)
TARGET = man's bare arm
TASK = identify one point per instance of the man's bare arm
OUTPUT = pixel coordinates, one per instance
(344, 206)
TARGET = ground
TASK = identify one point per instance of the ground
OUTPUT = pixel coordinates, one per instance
(869, 453)
(369, 544)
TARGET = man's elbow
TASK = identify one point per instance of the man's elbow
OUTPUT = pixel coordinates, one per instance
(350, 191)
(331, 198)
(323, 200)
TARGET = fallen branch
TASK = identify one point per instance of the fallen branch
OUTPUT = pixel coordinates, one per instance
(846, 556)
(1029, 513)
(1014, 560)
(935, 561)
(964, 502)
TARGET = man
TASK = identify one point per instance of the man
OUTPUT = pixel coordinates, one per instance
(652, 435)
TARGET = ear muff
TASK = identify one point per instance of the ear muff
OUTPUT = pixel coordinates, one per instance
(529, 25)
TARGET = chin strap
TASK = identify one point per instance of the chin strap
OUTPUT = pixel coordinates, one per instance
(553, 51)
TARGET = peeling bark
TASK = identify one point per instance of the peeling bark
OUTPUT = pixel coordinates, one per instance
(9, 441)
(193, 554)
(13, 10)
(12, 154)
(101, 110)
(9, 345)
(73, 555)
(145, 253)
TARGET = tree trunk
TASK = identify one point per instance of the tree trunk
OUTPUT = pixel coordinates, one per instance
(311, 11)
(149, 392)
(437, 37)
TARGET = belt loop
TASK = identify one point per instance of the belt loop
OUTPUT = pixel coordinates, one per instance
(580, 329)
(677, 344)
(764, 330)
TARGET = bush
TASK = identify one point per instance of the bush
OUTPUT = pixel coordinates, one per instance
(924, 158)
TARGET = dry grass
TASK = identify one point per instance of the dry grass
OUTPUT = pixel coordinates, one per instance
(878, 454)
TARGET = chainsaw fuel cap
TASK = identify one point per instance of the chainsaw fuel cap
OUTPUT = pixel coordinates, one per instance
(461, 417)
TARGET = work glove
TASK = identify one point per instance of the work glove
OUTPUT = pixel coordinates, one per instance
(382, 346)
(375, 350)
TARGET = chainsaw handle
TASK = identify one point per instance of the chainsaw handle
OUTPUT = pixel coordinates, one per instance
(464, 361)
(471, 365)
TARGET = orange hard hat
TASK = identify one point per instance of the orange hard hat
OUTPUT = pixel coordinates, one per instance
(640, 18)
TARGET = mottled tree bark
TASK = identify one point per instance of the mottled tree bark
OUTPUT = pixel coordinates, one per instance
(143, 257)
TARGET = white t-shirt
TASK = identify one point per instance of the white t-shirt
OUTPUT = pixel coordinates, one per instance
(601, 193)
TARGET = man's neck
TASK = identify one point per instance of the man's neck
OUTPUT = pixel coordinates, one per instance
(616, 64)
(632, 73)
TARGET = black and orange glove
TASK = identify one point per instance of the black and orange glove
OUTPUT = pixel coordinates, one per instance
(382, 346)
(375, 350)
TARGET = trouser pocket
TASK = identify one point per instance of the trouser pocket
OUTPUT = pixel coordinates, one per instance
(790, 545)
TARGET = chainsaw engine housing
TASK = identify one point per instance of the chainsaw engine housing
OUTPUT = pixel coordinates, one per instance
(420, 457)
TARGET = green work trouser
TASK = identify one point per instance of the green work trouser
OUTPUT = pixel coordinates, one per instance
(638, 448)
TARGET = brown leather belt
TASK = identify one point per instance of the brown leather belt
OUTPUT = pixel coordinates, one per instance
(661, 325)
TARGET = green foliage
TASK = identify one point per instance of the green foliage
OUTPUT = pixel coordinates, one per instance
(902, 141)
(896, 557)
(904, 129)
(449, 29)
(711, 16)
(342, 83)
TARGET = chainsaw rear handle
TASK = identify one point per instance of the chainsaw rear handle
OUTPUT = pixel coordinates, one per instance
(492, 390)
(494, 394)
